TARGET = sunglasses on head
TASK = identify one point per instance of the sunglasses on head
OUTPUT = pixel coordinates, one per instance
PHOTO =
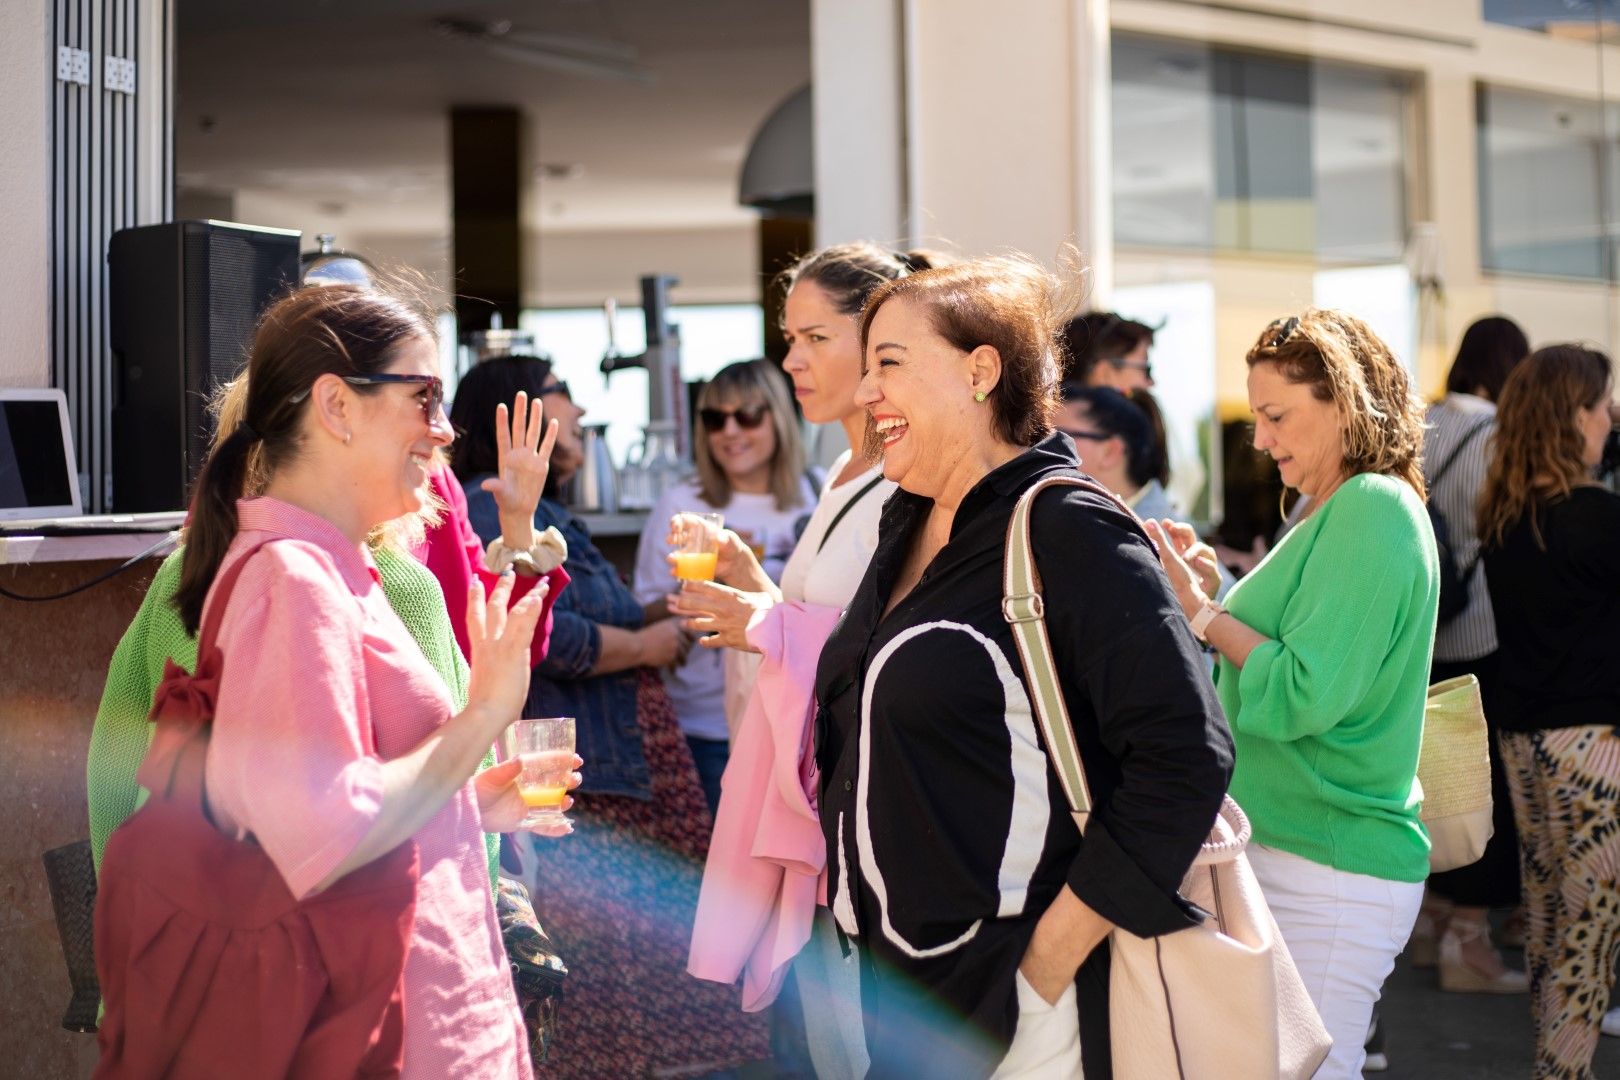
(432, 395)
(748, 417)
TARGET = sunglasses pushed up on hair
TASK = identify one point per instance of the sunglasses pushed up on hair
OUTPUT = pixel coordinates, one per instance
(748, 417)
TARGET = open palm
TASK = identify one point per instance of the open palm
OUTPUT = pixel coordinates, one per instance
(523, 444)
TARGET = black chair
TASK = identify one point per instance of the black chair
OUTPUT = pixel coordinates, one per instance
(70, 872)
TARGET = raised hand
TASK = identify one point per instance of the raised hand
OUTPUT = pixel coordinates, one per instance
(523, 445)
(499, 640)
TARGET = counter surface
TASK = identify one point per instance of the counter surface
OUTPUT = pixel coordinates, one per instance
(93, 547)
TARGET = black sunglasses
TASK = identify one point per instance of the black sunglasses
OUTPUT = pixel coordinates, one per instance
(1282, 330)
(1082, 433)
(748, 417)
(558, 387)
(432, 393)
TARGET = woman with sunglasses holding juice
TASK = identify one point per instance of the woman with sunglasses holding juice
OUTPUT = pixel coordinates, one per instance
(750, 468)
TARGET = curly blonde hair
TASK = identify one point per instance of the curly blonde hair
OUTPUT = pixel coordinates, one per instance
(1344, 363)
(1538, 454)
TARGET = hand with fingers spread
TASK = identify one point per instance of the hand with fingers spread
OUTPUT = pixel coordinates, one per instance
(720, 613)
(499, 640)
(523, 445)
(500, 802)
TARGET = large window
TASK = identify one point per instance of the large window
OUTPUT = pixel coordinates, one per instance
(1544, 163)
(1236, 151)
(712, 336)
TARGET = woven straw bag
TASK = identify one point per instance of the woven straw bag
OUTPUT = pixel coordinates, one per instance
(1221, 1001)
(1454, 773)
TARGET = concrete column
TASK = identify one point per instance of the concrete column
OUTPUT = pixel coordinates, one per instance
(1006, 127)
(486, 214)
(963, 124)
(857, 98)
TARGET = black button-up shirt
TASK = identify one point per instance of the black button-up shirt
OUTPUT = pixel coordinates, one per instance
(947, 830)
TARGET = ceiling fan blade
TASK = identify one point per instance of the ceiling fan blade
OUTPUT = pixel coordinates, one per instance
(573, 65)
(578, 44)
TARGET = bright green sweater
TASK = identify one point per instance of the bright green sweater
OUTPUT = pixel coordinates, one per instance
(120, 737)
(1327, 716)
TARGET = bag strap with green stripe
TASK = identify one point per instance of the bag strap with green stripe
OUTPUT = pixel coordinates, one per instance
(1025, 612)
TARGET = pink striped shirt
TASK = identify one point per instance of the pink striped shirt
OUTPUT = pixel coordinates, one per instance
(318, 668)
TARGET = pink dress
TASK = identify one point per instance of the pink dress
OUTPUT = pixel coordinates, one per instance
(318, 668)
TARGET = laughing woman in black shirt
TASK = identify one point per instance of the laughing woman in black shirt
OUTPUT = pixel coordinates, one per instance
(1547, 530)
(951, 851)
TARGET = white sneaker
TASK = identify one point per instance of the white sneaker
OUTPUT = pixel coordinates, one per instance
(1611, 1022)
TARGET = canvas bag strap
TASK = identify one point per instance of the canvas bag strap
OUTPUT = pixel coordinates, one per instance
(1025, 612)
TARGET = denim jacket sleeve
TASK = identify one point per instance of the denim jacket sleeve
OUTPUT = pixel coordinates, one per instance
(576, 644)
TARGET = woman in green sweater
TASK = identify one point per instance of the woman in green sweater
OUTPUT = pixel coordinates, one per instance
(1324, 660)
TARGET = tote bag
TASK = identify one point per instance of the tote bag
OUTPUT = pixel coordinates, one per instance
(208, 965)
(1221, 1001)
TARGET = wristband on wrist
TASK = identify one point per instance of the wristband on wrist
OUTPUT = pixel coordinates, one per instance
(1203, 617)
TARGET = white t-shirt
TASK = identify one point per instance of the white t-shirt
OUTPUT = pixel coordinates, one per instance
(826, 569)
(697, 688)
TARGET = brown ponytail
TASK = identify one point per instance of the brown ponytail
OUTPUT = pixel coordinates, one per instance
(329, 329)
(850, 273)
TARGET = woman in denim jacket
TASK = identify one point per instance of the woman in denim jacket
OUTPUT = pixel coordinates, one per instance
(621, 903)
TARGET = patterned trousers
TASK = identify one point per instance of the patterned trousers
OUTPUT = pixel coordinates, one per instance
(1566, 803)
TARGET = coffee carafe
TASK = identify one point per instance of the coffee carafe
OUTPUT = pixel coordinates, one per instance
(652, 466)
(594, 490)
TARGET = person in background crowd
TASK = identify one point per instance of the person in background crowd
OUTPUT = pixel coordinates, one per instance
(982, 939)
(750, 467)
(339, 423)
(1452, 929)
(825, 293)
(1103, 348)
(1114, 437)
(1324, 663)
(619, 897)
(1547, 530)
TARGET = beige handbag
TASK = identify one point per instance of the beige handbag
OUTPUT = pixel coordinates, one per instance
(1454, 774)
(1222, 1001)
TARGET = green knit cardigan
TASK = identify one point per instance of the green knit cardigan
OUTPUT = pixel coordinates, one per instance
(122, 733)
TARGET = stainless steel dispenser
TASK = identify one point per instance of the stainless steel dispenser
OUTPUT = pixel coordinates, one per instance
(666, 391)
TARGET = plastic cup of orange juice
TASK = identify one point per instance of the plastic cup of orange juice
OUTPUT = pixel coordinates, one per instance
(699, 549)
(546, 748)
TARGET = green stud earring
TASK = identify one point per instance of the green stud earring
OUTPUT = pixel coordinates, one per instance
(979, 396)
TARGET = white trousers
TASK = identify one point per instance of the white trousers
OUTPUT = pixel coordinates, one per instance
(1344, 931)
(830, 995)
(1046, 1045)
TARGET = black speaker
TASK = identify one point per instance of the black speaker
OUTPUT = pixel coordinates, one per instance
(183, 300)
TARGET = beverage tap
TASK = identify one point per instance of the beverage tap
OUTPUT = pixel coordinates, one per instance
(666, 392)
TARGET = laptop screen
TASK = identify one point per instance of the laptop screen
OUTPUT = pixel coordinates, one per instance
(34, 468)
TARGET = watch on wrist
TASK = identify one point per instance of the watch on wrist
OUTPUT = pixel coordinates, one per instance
(1203, 617)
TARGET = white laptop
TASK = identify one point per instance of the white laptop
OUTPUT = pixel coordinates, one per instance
(39, 473)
